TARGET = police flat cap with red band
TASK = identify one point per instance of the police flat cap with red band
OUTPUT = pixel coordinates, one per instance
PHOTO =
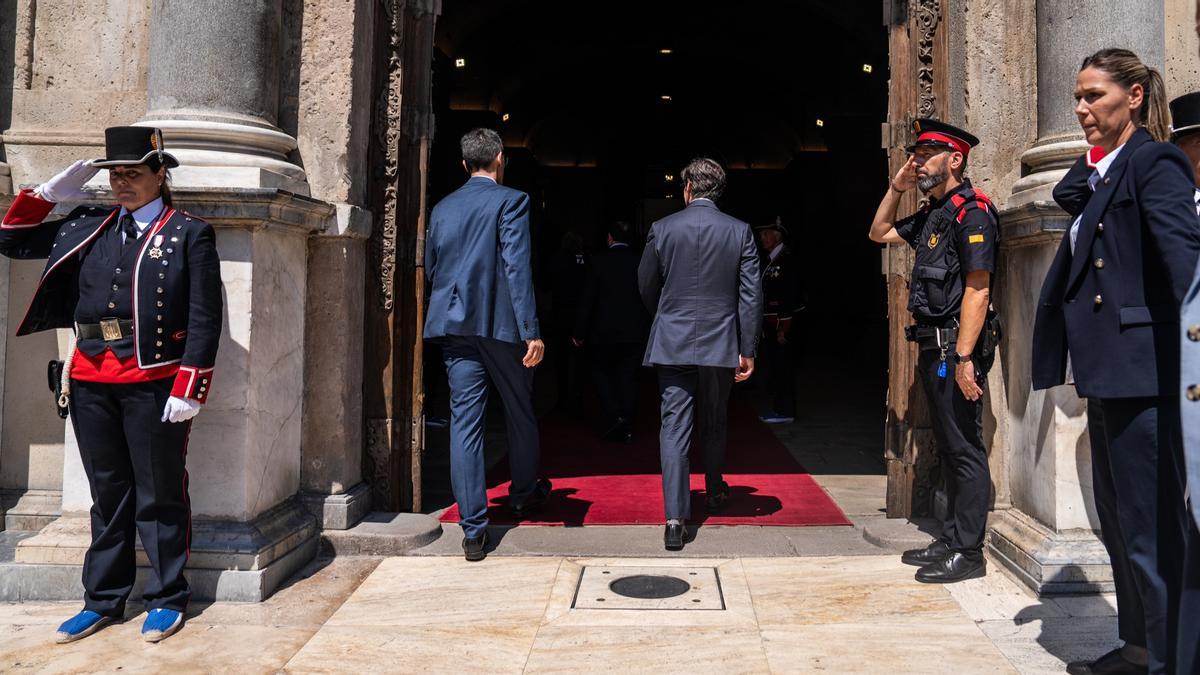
(933, 133)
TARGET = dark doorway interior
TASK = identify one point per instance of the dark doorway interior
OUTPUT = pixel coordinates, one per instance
(601, 104)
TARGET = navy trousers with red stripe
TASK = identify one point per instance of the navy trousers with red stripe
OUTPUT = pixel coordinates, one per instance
(135, 468)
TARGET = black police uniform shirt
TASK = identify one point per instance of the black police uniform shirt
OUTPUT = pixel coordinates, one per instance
(173, 291)
(952, 236)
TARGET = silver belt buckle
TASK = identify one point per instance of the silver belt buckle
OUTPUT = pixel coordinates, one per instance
(110, 329)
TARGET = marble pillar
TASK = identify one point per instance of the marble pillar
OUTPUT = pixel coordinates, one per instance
(1049, 535)
(214, 91)
(331, 445)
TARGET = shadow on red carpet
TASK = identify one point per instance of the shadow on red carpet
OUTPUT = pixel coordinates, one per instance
(598, 483)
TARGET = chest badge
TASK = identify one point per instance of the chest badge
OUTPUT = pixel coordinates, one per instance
(156, 251)
(934, 239)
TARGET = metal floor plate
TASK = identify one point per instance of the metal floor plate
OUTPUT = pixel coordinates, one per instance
(594, 591)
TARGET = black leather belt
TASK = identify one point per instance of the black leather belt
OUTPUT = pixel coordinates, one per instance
(108, 330)
(943, 336)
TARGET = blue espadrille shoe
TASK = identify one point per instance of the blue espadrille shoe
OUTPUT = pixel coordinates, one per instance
(161, 624)
(81, 625)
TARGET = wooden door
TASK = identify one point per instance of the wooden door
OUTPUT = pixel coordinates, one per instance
(918, 42)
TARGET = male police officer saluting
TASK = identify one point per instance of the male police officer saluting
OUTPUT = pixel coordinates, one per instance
(141, 285)
(954, 236)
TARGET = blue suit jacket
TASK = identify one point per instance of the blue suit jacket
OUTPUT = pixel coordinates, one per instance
(477, 261)
(1190, 354)
(1116, 300)
(699, 277)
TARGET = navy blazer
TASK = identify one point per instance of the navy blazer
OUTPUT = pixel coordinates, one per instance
(699, 276)
(1116, 300)
(478, 264)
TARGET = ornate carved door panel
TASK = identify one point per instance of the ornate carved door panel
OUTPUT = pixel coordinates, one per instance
(918, 31)
(393, 395)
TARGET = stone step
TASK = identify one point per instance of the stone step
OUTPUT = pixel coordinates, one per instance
(383, 534)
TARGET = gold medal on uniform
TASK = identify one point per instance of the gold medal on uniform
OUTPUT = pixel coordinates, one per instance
(156, 251)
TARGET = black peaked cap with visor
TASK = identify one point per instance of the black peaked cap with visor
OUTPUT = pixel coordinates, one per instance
(1185, 115)
(937, 134)
(130, 146)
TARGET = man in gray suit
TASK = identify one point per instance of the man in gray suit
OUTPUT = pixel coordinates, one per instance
(699, 277)
(482, 312)
(1185, 128)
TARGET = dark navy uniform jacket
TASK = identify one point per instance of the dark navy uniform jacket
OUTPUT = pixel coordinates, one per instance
(780, 285)
(174, 288)
(952, 236)
(1116, 300)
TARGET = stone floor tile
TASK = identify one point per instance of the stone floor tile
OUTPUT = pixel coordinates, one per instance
(1087, 605)
(453, 648)
(998, 597)
(1046, 645)
(677, 649)
(901, 645)
(438, 592)
(805, 591)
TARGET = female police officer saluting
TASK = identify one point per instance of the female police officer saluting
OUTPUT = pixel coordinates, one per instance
(141, 285)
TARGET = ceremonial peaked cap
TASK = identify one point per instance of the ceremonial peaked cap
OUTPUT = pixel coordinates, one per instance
(777, 225)
(128, 146)
(1185, 114)
(931, 132)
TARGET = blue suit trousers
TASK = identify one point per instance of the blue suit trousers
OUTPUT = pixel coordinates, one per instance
(471, 362)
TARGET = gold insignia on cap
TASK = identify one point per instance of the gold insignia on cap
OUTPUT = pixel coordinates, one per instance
(154, 140)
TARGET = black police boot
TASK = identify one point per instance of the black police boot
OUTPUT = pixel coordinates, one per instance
(534, 501)
(474, 549)
(1112, 663)
(674, 535)
(952, 568)
(926, 556)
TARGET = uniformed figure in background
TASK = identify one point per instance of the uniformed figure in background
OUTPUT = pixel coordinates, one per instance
(781, 302)
(1185, 132)
(141, 286)
(955, 239)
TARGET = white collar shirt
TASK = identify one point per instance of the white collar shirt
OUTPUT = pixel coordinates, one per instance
(143, 217)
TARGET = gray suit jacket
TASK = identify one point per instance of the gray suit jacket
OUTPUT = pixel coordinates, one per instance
(1190, 410)
(699, 278)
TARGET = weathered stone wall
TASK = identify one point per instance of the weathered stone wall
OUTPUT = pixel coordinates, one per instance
(1182, 68)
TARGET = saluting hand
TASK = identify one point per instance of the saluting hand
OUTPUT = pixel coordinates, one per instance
(534, 354)
(68, 185)
(906, 177)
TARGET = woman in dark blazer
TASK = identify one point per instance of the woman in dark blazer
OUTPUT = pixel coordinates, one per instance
(1109, 313)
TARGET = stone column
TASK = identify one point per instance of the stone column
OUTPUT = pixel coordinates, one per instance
(214, 90)
(1048, 537)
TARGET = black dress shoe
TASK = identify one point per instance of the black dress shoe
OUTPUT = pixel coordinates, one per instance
(673, 537)
(474, 548)
(952, 568)
(534, 501)
(926, 556)
(716, 501)
(1112, 663)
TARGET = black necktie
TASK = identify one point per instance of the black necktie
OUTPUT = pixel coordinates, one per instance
(129, 228)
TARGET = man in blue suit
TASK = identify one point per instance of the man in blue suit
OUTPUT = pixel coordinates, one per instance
(699, 277)
(1185, 132)
(482, 312)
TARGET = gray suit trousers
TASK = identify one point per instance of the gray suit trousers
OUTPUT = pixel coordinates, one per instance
(692, 397)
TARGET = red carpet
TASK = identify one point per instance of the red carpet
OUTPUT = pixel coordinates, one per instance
(599, 483)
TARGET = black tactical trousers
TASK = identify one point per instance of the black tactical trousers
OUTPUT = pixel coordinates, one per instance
(779, 365)
(958, 430)
(135, 467)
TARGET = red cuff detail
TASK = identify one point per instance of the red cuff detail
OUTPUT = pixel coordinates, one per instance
(27, 210)
(194, 383)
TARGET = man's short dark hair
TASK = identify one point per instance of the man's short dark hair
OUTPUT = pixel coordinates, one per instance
(621, 231)
(480, 147)
(706, 177)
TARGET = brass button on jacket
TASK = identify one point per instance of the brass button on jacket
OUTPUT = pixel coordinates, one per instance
(1099, 263)
(1194, 333)
(1099, 300)
(1193, 392)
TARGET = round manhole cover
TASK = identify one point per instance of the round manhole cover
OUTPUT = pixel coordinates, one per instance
(649, 587)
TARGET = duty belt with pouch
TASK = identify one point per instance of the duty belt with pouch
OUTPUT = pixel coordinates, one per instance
(944, 337)
(109, 330)
(58, 373)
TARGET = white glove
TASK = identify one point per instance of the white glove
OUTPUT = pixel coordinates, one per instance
(180, 409)
(68, 185)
